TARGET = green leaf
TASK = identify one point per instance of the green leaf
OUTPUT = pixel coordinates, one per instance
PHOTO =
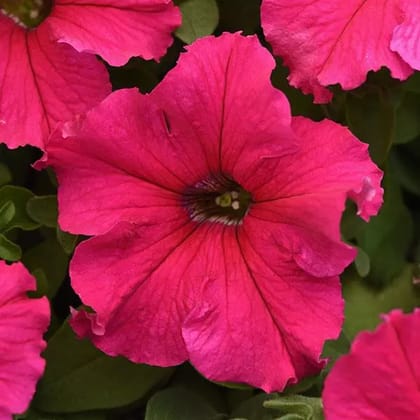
(41, 284)
(408, 118)
(299, 406)
(351, 224)
(413, 83)
(253, 409)
(371, 118)
(43, 210)
(49, 257)
(302, 386)
(18, 162)
(405, 164)
(9, 251)
(276, 407)
(199, 18)
(233, 385)
(33, 414)
(362, 263)
(79, 377)
(7, 212)
(67, 241)
(333, 349)
(5, 175)
(301, 104)
(178, 403)
(19, 196)
(387, 237)
(364, 305)
(187, 377)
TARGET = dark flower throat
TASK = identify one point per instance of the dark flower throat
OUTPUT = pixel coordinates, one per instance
(28, 13)
(217, 198)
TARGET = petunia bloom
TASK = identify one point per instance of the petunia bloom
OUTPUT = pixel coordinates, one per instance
(23, 322)
(379, 378)
(215, 219)
(327, 42)
(48, 73)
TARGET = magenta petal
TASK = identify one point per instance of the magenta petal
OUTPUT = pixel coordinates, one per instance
(112, 170)
(210, 110)
(195, 280)
(326, 42)
(379, 378)
(23, 322)
(251, 325)
(142, 285)
(406, 37)
(312, 250)
(336, 163)
(42, 83)
(116, 29)
(329, 160)
(305, 197)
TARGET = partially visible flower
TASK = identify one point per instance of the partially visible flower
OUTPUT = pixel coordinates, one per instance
(43, 77)
(379, 379)
(23, 322)
(406, 36)
(325, 42)
(215, 219)
(116, 29)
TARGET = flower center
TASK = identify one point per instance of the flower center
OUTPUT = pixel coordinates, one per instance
(28, 13)
(217, 198)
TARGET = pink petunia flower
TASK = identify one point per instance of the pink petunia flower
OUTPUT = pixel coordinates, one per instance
(326, 42)
(215, 219)
(379, 378)
(23, 322)
(48, 73)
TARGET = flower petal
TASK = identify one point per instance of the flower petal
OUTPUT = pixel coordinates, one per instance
(156, 281)
(264, 321)
(379, 378)
(42, 83)
(336, 162)
(315, 250)
(325, 42)
(122, 165)
(23, 322)
(144, 281)
(305, 195)
(406, 37)
(116, 29)
(207, 104)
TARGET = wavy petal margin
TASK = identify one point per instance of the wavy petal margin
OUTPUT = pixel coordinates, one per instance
(23, 322)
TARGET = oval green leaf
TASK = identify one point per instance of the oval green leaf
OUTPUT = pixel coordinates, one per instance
(199, 18)
(79, 377)
(43, 210)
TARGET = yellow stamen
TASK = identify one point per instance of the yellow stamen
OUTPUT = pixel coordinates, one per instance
(224, 200)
